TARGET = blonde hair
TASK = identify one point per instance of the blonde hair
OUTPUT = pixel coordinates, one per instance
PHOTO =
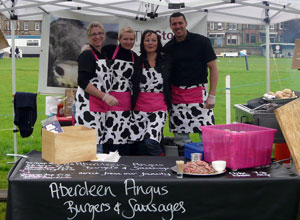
(92, 25)
(126, 30)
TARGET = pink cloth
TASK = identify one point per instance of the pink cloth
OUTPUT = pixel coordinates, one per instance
(187, 96)
(150, 102)
(124, 103)
(124, 100)
(97, 105)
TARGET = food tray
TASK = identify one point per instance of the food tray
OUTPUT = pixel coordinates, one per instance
(174, 168)
(279, 101)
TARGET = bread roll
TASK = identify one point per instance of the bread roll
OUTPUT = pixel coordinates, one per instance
(288, 91)
(279, 95)
(271, 93)
(287, 95)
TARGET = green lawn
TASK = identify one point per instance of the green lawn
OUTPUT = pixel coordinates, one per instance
(245, 85)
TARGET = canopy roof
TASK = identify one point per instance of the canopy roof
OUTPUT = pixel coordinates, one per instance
(235, 11)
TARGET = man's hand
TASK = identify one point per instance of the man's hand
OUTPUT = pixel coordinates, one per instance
(110, 100)
(210, 102)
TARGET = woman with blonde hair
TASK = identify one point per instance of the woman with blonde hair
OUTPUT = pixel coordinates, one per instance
(117, 118)
(94, 84)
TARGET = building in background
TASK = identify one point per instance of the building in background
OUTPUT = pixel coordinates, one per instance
(230, 37)
(27, 35)
(225, 37)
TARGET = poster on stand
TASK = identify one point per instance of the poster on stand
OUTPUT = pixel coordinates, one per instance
(64, 34)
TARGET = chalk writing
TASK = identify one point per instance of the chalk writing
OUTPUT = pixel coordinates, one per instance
(239, 174)
(262, 173)
(132, 195)
(59, 190)
(44, 170)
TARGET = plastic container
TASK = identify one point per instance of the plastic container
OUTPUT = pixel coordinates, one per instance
(281, 152)
(190, 148)
(241, 145)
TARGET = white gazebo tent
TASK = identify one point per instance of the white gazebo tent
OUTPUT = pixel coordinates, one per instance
(232, 11)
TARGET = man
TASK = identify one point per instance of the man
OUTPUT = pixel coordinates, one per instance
(192, 56)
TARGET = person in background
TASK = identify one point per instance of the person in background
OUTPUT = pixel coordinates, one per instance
(151, 95)
(192, 102)
(117, 118)
(94, 83)
(17, 50)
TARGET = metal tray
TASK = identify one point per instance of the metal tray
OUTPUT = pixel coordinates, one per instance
(279, 101)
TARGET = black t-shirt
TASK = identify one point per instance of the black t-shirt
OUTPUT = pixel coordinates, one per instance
(190, 58)
(87, 66)
(122, 54)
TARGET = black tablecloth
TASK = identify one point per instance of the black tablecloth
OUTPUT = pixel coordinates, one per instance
(147, 188)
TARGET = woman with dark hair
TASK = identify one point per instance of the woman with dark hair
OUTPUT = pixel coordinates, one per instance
(151, 95)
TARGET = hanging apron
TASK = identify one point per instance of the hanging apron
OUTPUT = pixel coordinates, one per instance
(84, 116)
(117, 118)
(150, 112)
(188, 114)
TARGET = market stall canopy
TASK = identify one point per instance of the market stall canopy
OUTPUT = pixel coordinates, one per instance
(236, 11)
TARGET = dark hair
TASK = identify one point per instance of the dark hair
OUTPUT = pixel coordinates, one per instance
(176, 15)
(142, 48)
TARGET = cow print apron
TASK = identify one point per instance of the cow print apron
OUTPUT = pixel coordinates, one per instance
(150, 113)
(117, 119)
(84, 116)
(188, 117)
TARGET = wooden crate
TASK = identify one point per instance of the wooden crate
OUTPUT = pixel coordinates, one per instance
(75, 144)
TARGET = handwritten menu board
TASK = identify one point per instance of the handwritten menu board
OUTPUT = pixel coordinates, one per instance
(135, 188)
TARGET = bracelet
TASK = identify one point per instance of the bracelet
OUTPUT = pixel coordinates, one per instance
(105, 96)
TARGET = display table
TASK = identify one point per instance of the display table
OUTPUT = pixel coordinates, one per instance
(146, 188)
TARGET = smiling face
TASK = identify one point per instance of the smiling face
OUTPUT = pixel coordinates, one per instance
(150, 43)
(96, 37)
(127, 40)
(178, 26)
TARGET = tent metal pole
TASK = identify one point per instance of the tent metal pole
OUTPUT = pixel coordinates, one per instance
(13, 67)
(268, 57)
(267, 27)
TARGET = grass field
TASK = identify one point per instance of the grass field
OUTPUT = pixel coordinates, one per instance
(245, 85)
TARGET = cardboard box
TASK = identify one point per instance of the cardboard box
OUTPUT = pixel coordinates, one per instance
(70, 97)
(75, 144)
(296, 58)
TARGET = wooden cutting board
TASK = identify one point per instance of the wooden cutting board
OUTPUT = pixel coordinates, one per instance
(288, 117)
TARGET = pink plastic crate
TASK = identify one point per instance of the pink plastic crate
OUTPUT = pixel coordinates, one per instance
(241, 145)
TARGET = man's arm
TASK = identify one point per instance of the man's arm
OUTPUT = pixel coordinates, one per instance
(213, 81)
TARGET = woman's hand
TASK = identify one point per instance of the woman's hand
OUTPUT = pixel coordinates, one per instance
(85, 47)
(210, 102)
(110, 100)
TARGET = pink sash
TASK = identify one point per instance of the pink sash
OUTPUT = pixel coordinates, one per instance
(150, 102)
(97, 105)
(187, 96)
(124, 100)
